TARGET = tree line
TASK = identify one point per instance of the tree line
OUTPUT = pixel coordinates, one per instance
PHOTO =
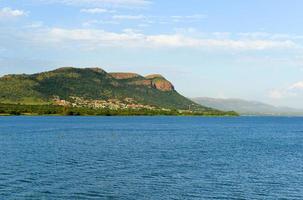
(21, 109)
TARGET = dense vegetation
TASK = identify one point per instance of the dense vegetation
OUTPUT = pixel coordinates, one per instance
(87, 83)
(19, 109)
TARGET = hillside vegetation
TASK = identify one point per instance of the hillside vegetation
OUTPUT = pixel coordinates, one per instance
(93, 84)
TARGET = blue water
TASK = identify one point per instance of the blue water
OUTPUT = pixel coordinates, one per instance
(151, 158)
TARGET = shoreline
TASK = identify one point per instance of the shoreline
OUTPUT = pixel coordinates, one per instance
(164, 115)
(55, 110)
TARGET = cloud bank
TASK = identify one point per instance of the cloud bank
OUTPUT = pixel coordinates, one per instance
(95, 38)
(99, 2)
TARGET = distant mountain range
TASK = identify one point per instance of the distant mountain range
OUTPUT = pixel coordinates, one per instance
(247, 107)
(90, 84)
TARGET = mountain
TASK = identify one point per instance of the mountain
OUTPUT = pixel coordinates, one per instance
(247, 107)
(92, 84)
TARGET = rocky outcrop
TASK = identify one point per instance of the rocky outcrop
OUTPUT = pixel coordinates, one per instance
(160, 83)
(97, 69)
(163, 85)
(122, 76)
(145, 82)
(156, 81)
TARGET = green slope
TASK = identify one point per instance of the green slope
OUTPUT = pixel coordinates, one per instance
(92, 83)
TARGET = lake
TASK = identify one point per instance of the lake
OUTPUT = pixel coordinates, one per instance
(151, 158)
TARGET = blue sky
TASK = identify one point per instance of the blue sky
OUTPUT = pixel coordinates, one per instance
(226, 49)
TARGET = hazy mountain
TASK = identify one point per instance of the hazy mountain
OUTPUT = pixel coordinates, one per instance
(246, 107)
(92, 83)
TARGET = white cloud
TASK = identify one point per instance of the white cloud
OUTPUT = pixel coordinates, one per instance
(9, 12)
(90, 23)
(96, 10)
(128, 17)
(99, 2)
(183, 41)
(97, 37)
(188, 18)
(272, 36)
(174, 19)
(293, 90)
(297, 86)
(145, 20)
(91, 38)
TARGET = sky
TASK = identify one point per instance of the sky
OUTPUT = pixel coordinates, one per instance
(251, 50)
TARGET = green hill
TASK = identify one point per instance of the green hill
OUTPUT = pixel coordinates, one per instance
(93, 84)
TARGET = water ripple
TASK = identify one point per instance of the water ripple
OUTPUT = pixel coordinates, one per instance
(151, 158)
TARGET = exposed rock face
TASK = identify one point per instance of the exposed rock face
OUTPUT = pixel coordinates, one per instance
(156, 81)
(97, 69)
(121, 76)
(160, 83)
(147, 83)
(163, 85)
